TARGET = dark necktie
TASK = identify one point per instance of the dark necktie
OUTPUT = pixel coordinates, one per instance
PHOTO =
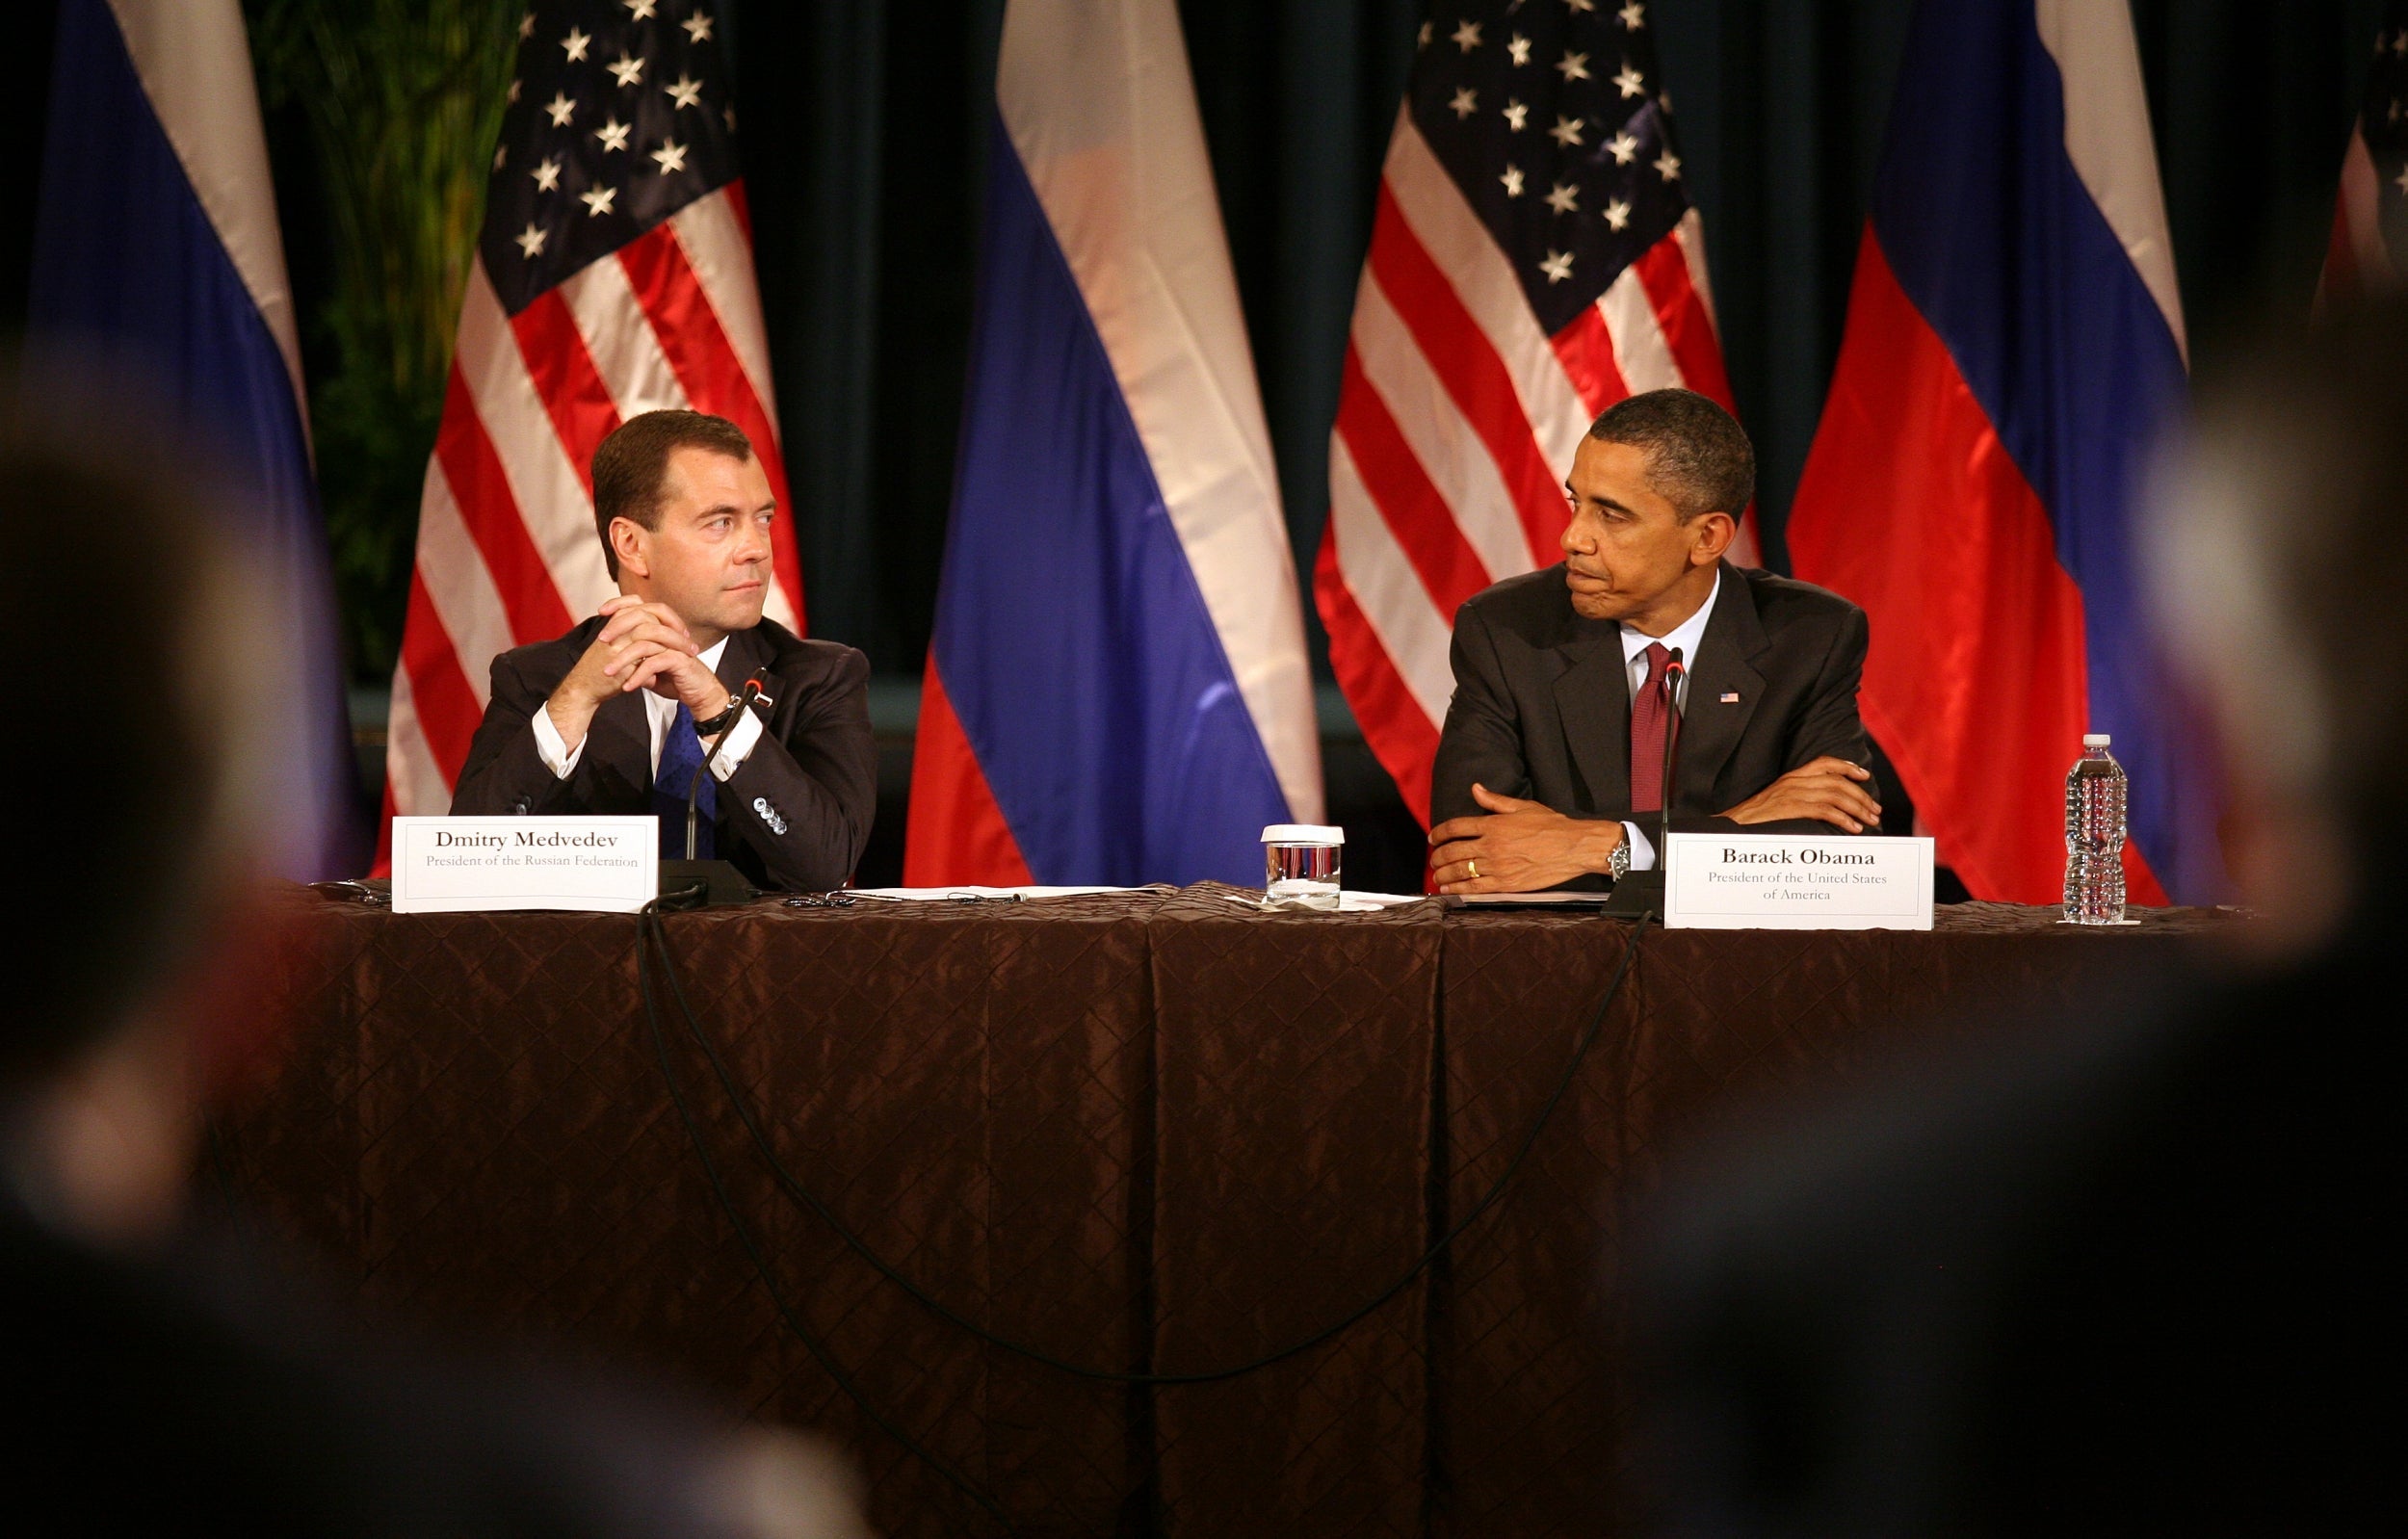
(681, 755)
(1650, 715)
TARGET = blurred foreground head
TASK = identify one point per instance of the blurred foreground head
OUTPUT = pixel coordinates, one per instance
(2280, 575)
(142, 728)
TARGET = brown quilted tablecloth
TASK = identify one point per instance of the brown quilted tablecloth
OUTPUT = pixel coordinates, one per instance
(1155, 1132)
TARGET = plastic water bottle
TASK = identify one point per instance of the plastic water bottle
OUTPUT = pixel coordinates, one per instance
(2095, 791)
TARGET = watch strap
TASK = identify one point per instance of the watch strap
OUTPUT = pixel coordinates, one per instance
(722, 721)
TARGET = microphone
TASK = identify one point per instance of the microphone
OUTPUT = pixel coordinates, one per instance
(750, 693)
(1673, 675)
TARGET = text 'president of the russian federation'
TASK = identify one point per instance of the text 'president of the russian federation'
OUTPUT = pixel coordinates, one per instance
(1550, 770)
(613, 716)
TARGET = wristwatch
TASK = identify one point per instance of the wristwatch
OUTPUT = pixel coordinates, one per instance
(720, 723)
(1618, 864)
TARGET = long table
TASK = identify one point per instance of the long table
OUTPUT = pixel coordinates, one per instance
(1155, 1132)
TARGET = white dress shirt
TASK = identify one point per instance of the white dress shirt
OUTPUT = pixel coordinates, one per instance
(736, 744)
(1686, 636)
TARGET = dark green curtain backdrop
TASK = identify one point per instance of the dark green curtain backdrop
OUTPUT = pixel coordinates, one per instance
(866, 121)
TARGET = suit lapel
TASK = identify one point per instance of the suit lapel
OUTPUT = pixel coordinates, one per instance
(1593, 698)
(744, 650)
(1726, 666)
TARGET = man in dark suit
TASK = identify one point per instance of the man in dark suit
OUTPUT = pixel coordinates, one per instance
(1549, 772)
(615, 716)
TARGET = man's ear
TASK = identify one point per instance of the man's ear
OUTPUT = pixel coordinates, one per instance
(629, 544)
(1713, 533)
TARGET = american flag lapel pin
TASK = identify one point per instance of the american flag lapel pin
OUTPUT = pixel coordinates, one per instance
(1730, 697)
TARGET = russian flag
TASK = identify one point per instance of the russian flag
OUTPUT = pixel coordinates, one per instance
(2014, 350)
(157, 251)
(1116, 690)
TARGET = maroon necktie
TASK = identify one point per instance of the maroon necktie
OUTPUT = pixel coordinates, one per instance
(1649, 715)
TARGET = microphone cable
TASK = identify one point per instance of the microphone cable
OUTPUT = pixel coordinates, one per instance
(648, 935)
(798, 1192)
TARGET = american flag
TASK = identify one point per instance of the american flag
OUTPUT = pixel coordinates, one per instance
(1534, 258)
(2371, 223)
(614, 276)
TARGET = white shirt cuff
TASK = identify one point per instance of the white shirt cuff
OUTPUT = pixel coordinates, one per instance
(1642, 849)
(556, 756)
(736, 746)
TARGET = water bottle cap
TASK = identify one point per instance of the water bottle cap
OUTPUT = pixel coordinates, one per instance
(2094, 739)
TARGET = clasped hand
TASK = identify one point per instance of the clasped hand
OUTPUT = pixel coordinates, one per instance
(641, 646)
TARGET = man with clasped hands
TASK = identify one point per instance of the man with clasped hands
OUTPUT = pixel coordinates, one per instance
(615, 716)
(1548, 773)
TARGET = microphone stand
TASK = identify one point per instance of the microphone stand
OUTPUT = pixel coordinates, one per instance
(720, 879)
(1641, 892)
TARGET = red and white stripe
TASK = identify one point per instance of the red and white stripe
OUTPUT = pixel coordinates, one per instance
(1457, 418)
(507, 550)
(2356, 261)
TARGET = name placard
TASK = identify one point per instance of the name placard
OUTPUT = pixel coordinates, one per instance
(454, 865)
(1796, 881)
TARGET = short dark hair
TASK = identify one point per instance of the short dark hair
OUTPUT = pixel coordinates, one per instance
(629, 467)
(1697, 453)
(114, 900)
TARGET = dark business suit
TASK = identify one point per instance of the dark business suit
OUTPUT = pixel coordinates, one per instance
(1542, 700)
(795, 815)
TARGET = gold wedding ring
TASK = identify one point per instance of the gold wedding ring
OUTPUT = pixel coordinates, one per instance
(1471, 869)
